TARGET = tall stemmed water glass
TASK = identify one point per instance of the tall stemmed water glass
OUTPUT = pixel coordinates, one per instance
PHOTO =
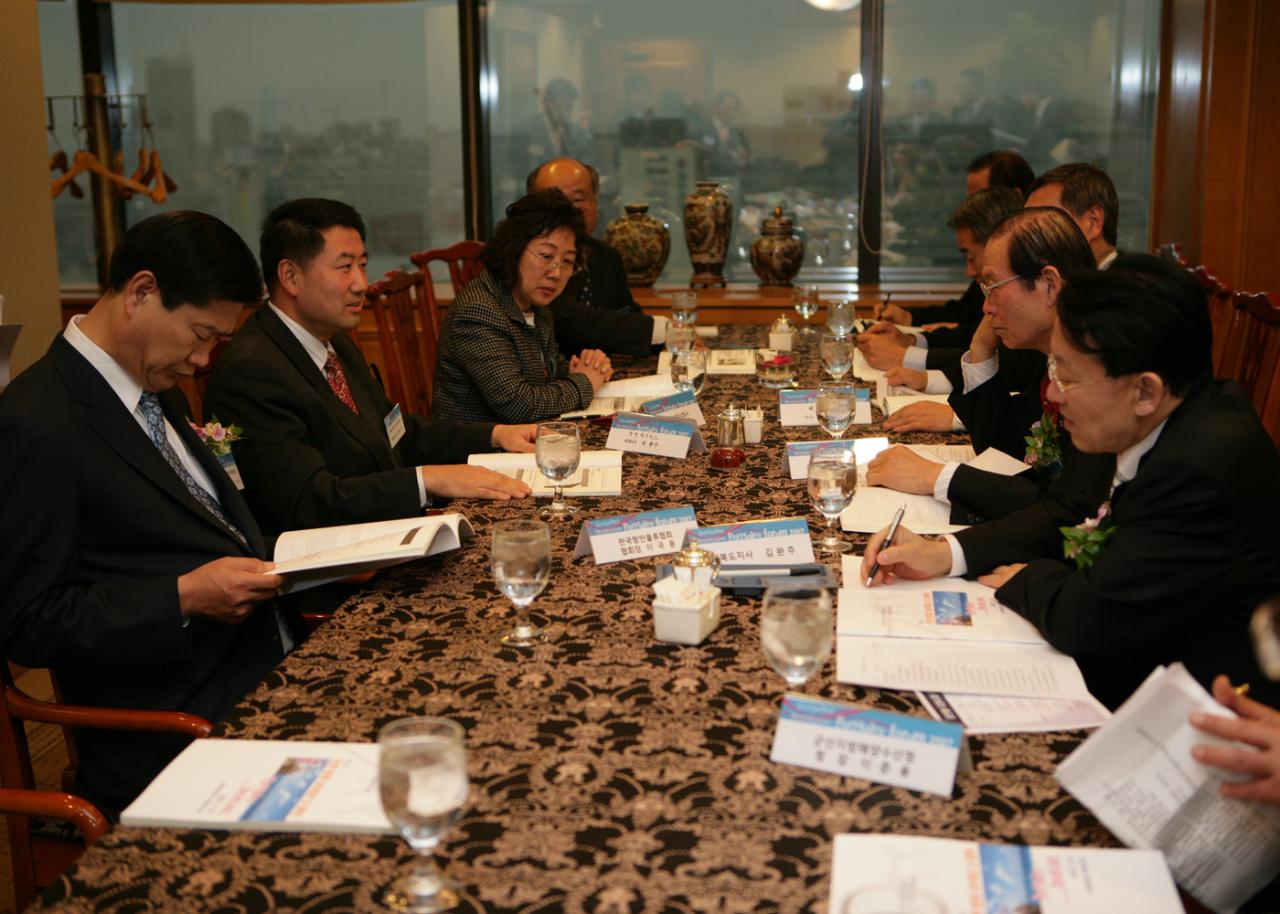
(422, 779)
(834, 407)
(840, 316)
(680, 336)
(837, 354)
(795, 631)
(833, 478)
(806, 300)
(689, 370)
(558, 449)
(520, 557)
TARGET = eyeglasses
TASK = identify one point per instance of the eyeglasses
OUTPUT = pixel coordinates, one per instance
(1064, 386)
(988, 288)
(551, 265)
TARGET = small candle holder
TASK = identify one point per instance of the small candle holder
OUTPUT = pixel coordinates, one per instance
(776, 368)
(730, 437)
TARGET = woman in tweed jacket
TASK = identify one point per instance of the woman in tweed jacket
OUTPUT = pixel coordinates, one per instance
(498, 359)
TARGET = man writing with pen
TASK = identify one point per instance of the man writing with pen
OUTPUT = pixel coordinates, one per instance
(1170, 565)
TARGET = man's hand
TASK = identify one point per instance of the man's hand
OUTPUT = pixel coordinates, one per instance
(913, 378)
(889, 331)
(922, 417)
(983, 345)
(903, 470)
(1257, 726)
(880, 351)
(226, 589)
(464, 481)
(911, 556)
(895, 314)
(595, 365)
(998, 577)
(518, 439)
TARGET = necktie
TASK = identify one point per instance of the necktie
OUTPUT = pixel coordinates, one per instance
(337, 379)
(154, 415)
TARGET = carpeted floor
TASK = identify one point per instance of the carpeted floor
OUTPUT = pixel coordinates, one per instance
(48, 758)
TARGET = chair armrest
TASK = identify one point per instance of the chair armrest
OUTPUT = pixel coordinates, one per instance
(80, 812)
(25, 707)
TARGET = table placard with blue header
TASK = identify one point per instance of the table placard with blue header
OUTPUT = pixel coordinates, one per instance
(797, 407)
(860, 450)
(663, 436)
(783, 541)
(634, 536)
(862, 406)
(880, 746)
(680, 405)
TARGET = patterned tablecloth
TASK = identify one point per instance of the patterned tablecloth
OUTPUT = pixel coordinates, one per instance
(611, 773)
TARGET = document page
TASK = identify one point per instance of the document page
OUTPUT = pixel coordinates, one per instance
(647, 386)
(599, 473)
(607, 406)
(873, 508)
(1004, 714)
(950, 609)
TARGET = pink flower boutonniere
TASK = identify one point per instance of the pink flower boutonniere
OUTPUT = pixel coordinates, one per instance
(1084, 542)
(218, 437)
(1044, 448)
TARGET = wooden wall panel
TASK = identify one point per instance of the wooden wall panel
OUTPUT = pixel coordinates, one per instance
(1261, 268)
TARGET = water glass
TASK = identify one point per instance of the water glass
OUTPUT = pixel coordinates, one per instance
(689, 370)
(520, 557)
(680, 336)
(795, 630)
(806, 300)
(557, 449)
(834, 407)
(840, 316)
(422, 780)
(684, 306)
(833, 478)
(837, 354)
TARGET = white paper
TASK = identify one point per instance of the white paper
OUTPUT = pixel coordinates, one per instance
(215, 783)
(972, 667)
(1005, 714)
(647, 386)
(949, 609)
(891, 404)
(944, 453)
(607, 406)
(862, 369)
(996, 461)
(873, 507)
(719, 361)
(1137, 776)
(599, 473)
(861, 449)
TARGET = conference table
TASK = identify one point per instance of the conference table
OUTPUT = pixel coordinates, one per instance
(611, 773)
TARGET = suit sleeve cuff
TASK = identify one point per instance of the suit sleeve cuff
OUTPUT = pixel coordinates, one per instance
(423, 499)
(943, 483)
(956, 424)
(978, 373)
(659, 331)
(915, 357)
(959, 567)
(936, 381)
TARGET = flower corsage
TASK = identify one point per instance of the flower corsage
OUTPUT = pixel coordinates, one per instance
(1084, 542)
(1044, 448)
(218, 437)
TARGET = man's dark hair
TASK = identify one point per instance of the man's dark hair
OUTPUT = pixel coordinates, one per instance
(1142, 314)
(983, 210)
(197, 260)
(530, 217)
(1008, 169)
(295, 229)
(530, 183)
(1045, 236)
(1084, 186)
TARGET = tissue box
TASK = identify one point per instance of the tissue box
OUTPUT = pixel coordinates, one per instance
(687, 624)
(753, 425)
(781, 340)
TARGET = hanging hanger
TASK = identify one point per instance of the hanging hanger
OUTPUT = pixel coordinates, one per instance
(58, 159)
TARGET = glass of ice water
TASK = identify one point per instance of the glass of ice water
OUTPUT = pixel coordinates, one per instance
(689, 370)
(557, 449)
(805, 299)
(680, 336)
(837, 354)
(834, 407)
(684, 306)
(840, 316)
(422, 779)
(833, 478)
(795, 630)
(520, 557)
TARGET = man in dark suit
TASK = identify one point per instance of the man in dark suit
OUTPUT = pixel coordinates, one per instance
(1186, 538)
(132, 567)
(322, 444)
(1085, 193)
(595, 310)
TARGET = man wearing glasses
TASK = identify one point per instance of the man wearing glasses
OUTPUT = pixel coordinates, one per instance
(1185, 538)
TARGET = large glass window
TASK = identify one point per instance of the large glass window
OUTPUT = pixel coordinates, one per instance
(757, 94)
(1059, 82)
(251, 105)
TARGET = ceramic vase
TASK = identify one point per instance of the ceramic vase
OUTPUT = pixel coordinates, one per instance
(643, 241)
(708, 221)
(777, 254)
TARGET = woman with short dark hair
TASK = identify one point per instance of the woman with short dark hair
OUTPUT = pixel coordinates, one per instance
(498, 359)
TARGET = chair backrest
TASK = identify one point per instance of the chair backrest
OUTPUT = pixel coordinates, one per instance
(1222, 310)
(1260, 335)
(1173, 253)
(403, 311)
(462, 259)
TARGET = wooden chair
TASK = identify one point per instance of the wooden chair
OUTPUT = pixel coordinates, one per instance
(39, 851)
(462, 260)
(1259, 341)
(403, 310)
(1222, 311)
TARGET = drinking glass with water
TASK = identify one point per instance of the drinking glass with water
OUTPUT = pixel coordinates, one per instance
(795, 631)
(837, 354)
(557, 450)
(520, 558)
(834, 407)
(833, 478)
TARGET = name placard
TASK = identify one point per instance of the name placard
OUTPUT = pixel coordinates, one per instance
(681, 405)
(666, 437)
(875, 745)
(862, 406)
(634, 536)
(784, 541)
(799, 453)
(797, 407)
(228, 463)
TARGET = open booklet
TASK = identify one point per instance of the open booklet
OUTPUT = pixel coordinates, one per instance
(309, 558)
(599, 473)
(719, 361)
(625, 395)
(266, 785)
(877, 874)
(1137, 776)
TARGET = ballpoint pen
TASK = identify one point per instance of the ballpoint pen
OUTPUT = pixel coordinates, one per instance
(888, 541)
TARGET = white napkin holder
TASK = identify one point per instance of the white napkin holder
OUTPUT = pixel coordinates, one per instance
(753, 425)
(685, 611)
